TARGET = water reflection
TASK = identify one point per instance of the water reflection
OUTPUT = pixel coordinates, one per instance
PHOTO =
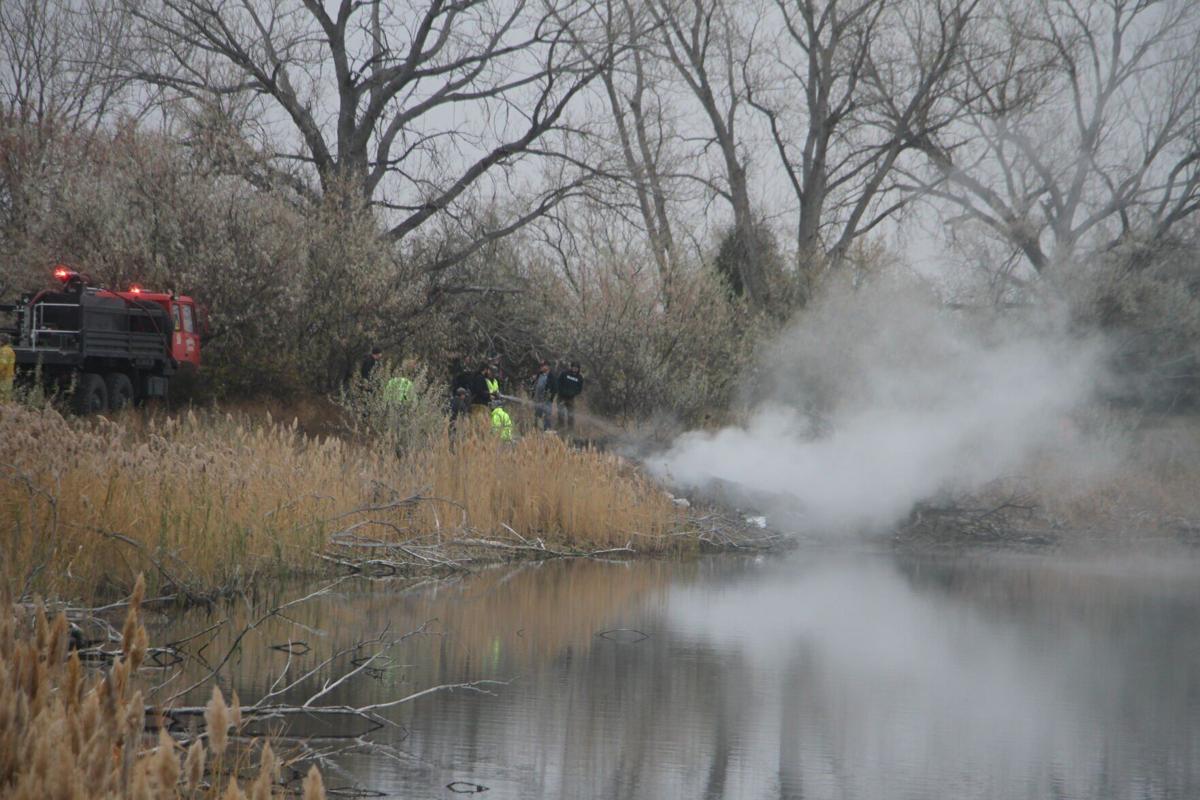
(833, 677)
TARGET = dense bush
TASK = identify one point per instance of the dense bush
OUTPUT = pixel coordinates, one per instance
(1146, 297)
(298, 289)
(295, 290)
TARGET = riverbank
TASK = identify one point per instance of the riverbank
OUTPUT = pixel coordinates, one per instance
(207, 503)
(1135, 489)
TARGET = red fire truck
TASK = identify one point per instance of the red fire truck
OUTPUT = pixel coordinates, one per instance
(107, 348)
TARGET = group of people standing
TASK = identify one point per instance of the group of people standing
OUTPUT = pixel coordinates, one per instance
(477, 393)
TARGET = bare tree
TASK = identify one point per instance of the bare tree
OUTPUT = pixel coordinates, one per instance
(710, 50)
(57, 78)
(633, 154)
(853, 84)
(427, 109)
(58, 62)
(642, 131)
(1102, 142)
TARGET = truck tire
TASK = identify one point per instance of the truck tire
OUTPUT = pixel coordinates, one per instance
(120, 390)
(91, 395)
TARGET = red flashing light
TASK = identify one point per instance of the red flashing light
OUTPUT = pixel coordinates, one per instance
(135, 289)
(62, 273)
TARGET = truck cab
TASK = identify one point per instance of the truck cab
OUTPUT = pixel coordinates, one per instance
(184, 317)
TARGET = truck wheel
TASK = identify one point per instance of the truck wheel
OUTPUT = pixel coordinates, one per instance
(91, 395)
(120, 390)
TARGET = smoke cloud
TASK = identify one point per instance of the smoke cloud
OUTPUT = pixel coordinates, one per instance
(878, 398)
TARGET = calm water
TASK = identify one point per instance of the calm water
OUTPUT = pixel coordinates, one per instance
(802, 677)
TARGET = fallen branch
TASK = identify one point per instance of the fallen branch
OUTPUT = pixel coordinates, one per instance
(540, 549)
(369, 713)
(215, 671)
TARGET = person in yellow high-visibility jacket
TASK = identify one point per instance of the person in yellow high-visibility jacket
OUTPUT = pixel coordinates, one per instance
(502, 424)
(396, 391)
(8, 368)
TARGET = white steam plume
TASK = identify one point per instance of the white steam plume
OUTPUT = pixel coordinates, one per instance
(879, 398)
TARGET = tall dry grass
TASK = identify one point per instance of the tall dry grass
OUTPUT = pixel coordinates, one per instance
(67, 734)
(542, 487)
(1132, 480)
(210, 501)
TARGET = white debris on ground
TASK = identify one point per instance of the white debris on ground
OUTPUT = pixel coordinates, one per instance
(682, 502)
(758, 522)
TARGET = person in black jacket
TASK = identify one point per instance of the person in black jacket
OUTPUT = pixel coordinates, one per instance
(462, 378)
(570, 385)
(460, 407)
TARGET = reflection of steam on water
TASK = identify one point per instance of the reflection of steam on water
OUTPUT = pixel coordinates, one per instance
(877, 399)
(853, 678)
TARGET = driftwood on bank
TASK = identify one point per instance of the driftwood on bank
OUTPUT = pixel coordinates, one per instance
(381, 548)
(996, 515)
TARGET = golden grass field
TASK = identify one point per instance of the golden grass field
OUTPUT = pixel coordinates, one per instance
(212, 500)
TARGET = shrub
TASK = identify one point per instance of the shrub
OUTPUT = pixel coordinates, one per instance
(397, 410)
(1146, 297)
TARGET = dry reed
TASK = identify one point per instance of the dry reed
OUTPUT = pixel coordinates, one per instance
(207, 502)
(69, 735)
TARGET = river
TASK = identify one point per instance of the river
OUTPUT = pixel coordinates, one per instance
(859, 676)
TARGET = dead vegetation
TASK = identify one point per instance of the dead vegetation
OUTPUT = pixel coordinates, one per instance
(1117, 482)
(69, 732)
(206, 503)
(90, 709)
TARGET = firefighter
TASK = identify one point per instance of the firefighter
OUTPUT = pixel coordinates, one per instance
(398, 390)
(570, 385)
(502, 424)
(493, 380)
(8, 368)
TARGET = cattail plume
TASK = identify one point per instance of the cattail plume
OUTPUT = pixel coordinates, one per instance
(216, 720)
(314, 787)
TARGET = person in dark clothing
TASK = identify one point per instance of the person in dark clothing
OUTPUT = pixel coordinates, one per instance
(493, 382)
(460, 407)
(543, 396)
(570, 385)
(370, 362)
(462, 380)
(481, 393)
